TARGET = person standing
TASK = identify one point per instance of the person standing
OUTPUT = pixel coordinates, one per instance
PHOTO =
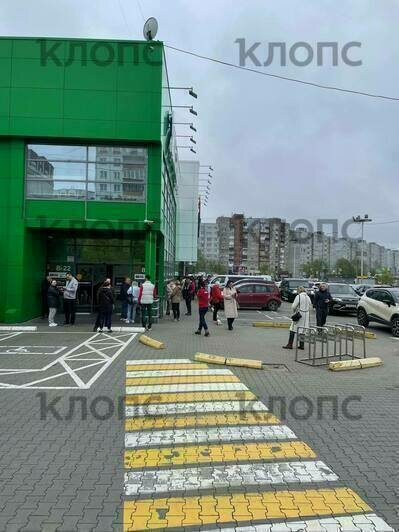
(147, 295)
(53, 302)
(176, 299)
(230, 304)
(105, 307)
(69, 293)
(132, 300)
(127, 283)
(203, 304)
(301, 315)
(216, 301)
(169, 289)
(43, 292)
(322, 300)
(188, 293)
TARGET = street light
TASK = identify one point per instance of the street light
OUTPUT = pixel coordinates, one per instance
(207, 166)
(189, 89)
(186, 124)
(192, 139)
(359, 220)
(189, 107)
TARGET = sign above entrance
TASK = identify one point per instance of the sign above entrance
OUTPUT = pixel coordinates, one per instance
(139, 276)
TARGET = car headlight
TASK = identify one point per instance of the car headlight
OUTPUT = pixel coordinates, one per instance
(337, 299)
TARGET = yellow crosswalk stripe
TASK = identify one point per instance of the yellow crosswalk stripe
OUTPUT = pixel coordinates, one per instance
(188, 397)
(153, 514)
(152, 367)
(200, 420)
(226, 452)
(137, 381)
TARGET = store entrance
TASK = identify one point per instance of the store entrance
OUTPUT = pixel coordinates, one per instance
(91, 278)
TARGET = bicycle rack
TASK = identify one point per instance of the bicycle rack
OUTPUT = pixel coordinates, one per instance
(323, 344)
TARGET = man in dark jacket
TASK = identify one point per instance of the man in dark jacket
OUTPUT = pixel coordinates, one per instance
(321, 303)
(127, 283)
(105, 306)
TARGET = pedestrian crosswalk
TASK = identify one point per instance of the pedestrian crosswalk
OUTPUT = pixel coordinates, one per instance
(203, 453)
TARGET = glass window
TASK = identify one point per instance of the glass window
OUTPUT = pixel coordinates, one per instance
(82, 172)
(246, 288)
(263, 288)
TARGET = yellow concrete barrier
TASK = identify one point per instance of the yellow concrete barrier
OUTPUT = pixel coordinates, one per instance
(371, 335)
(361, 363)
(230, 361)
(212, 359)
(244, 362)
(146, 340)
(275, 324)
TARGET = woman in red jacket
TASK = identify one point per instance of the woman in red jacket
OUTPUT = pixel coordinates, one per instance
(216, 300)
(203, 304)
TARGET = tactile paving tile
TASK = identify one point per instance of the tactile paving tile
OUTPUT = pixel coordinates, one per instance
(177, 373)
(181, 388)
(222, 434)
(173, 512)
(193, 408)
(210, 419)
(225, 476)
(224, 452)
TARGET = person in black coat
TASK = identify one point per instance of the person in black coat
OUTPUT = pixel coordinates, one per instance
(322, 299)
(105, 307)
(53, 301)
(43, 293)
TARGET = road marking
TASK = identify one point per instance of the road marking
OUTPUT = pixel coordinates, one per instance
(104, 349)
(182, 380)
(224, 452)
(7, 336)
(161, 366)
(150, 482)
(22, 328)
(158, 361)
(189, 397)
(163, 422)
(194, 408)
(211, 434)
(352, 523)
(232, 508)
(178, 373)
(200, 387)
(31, 349)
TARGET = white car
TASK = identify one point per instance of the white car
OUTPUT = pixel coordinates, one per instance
(380, 305)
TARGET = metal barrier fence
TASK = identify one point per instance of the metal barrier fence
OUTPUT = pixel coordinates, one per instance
(318, 346)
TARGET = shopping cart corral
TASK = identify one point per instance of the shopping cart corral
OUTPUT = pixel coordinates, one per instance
(322, 345)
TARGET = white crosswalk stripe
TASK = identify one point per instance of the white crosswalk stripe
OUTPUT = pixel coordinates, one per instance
(177, 372)
(159, 361)
(195, 408)
(199, 387)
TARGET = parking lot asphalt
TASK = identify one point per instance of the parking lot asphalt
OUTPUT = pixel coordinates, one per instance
(62, 443)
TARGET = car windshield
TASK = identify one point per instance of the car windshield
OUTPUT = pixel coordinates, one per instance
(395, 294)
(294, 283)
(341, 289)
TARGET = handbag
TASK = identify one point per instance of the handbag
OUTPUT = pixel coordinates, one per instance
(297, 315)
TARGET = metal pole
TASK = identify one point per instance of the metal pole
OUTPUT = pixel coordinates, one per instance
(294, 273)
(362, 258)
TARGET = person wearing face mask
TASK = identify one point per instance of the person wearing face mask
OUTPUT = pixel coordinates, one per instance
(53, 302)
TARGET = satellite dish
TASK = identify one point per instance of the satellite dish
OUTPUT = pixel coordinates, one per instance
(150, 29)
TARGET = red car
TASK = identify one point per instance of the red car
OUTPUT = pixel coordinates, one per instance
(259, 295)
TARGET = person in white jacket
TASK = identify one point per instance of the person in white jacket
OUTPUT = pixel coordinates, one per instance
(302, 304)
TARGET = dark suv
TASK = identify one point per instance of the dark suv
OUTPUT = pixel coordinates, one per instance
(343, 298)
(288, 288)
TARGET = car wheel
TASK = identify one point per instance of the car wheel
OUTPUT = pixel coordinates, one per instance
(362, 318)
(273, 306)
(395, 326)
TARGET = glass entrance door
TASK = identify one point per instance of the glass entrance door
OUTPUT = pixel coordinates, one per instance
(90, 277)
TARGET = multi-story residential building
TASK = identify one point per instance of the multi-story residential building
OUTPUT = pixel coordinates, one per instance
(321, 247)
(299, 251)
(208, 242)
(223, 236)
(375, 256)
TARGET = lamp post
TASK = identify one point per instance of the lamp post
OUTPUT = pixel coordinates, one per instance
(359, 220)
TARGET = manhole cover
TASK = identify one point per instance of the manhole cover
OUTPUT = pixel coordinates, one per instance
(275, 367)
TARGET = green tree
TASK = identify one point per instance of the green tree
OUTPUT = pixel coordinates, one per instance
(345, 268)
(384, 276)
(316, 268)
(265, 269)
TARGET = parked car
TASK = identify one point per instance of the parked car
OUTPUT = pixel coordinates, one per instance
(259, 295)
(288, 288)
(380, 305)
(343, 298)
(360, 289)
(222, 279)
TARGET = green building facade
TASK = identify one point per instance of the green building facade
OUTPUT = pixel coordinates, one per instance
(87, 167)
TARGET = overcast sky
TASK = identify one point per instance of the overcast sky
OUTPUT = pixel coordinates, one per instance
(278, 148)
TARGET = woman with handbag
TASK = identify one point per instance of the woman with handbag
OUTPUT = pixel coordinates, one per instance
(230, 304)
(301, 317)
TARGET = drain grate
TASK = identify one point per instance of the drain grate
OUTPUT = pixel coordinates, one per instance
(275, 367)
